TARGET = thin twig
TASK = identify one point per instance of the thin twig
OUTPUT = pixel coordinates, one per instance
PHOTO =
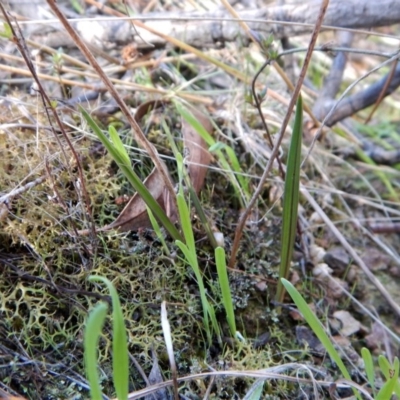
(140, 136)
(15, 192)
(21, 45)
(336, 49)
(116, 15)
(258, 374)
(257, 101)
(351, 251)
(383, 92)
(336, 114)
(275, 151)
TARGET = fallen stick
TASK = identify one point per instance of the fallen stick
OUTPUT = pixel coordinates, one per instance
(215, 28)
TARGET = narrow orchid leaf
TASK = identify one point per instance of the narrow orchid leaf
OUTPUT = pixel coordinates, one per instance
(291, 199)
(93, 328)
(119, 343)
(133, 178)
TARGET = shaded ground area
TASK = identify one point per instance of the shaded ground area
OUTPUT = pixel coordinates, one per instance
(45, 294)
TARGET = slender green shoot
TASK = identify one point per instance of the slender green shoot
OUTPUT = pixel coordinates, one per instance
(193, 195)
(119, 342)
(291, 200)
(189, 251)
(119, 146)
(255, 392)
(225, 289)
(369, 367)
(93, 328)
(391, 373)
(120, 158)
(234, 163)
(317, 328)
(157, 230)
(233, 169)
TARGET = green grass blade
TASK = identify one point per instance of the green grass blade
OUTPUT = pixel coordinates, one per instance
(189, 251)
(192, 260)
(133, 178)
(214, 322)
(386, 391)
(170, 138)
(186, 222)
(255, 391)
(392, 376)
(157, 230)
(183, 177)
(369, 367)
(234, 162)
(120, 342)
(384, 365)
(317, 328)
(199, 128)
(391, 373)
(397, 389)
(200, 212)
(291, 199)
(93, 328)
(119, 146)
(225, 289)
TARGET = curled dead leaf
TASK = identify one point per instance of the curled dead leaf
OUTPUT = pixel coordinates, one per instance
(198, 158)
(134, 215)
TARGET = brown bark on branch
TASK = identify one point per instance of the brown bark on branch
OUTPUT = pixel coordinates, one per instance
(364, 98)
(209, 32)
(341, 13)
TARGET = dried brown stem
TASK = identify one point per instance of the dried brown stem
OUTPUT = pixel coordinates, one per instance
(383, 92)
(18, 39)
(140, 137)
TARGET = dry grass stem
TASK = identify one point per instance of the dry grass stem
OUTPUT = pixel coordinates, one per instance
(107, 82)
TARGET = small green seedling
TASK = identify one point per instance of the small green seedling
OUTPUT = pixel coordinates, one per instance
(291, 200)
(189, 250)
(120, 156)
(92, 334)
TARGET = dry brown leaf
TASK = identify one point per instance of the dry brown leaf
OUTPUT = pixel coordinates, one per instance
(134, 216)
(198, 155)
